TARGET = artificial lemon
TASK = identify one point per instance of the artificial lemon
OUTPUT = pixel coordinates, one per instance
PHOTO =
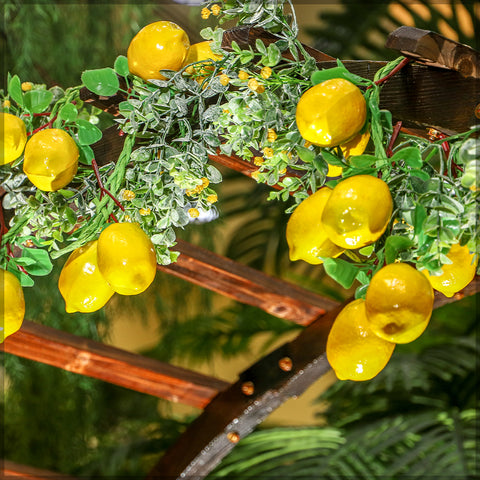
(399, 303)
(12, 304)
(331, 113)
(126, 258)
(306, 236)
(81, 284)
(456, 275)
(201, 52)
(51, 159)
(358, 211)
(356, 146)
(13, 137)
(353, 350)
(158, 46)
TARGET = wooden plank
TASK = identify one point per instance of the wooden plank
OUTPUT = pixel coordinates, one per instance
(247, 285)
(234, 413)
(17, 470)
(435, 50)
(87, 357)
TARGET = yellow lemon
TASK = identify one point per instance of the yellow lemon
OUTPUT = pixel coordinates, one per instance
(331, 113)
(158, 46)
(126, 258)
(12, 304)
(353, 350)
(306, 237)
(399, 303)
(13, 137)
(358, 211)
(456, 275)
(81, 284)
(357, 145)
(201, 52)
(51, 159)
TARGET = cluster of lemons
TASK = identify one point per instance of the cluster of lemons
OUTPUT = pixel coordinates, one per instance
(352, 215)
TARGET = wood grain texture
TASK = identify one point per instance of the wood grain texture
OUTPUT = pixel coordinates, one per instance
(247, 285)
(232, 414)
(16, 470)
(87, 357)
(434, 49)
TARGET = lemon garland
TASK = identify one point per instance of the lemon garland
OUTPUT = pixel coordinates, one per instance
(244, 106)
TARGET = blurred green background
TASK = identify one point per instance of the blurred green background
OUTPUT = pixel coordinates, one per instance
(419, 415)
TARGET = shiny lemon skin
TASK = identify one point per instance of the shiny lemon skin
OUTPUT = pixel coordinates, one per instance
(12, 304)
(13, 137)
(201, 52)
(358, 211)
(306, 236)
(331, 113)
(81, 284)
(456, 275)
(158, 46)
(51, 159)
(353, 350)
(126, 258)
(356, 146)
(399, 303)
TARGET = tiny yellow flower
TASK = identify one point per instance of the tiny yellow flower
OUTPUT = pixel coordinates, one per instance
(144, 211)
(255, 175)
(6, 104)
(193, 212)
(205, 13)
(128, 195)
(265, 72)
(226, 110)
(205, 182)
(307, 144)
(127, 218)
(253, 84)
(29, 243)
(258, 161)
(189, 192)
(283, 171)
(268, 152)
(216, 9)
(212, 198)
(271, 135)
(243, 75)
(260, 88)
(224, 79)
(27, 86)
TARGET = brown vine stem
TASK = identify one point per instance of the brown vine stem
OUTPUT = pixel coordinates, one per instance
(103, 190)
(396, 131)
(47, 125)
(382, 80)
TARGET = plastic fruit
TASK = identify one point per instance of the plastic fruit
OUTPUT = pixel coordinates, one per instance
(456, 275)
(158, 46)
(12, 304)
(51, 159)
(126, 258)
(13, 137)
(331, 113)
(358, 211)
(306, 236)
(399, 303)
(353, 350)
(357, 145)
(200, 52)
(81, 284)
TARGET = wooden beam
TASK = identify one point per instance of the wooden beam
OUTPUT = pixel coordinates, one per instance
(17, 470)
(94, 359)
(247, 285)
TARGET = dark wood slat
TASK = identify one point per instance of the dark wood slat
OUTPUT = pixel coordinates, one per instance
(247, 285)
(17, 470)
(434, 49)
(263, 387)
(87, 357)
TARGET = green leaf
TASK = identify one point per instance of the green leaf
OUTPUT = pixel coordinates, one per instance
(87, 132)
(410, 155)
(68, 113)
(15, 90)
(86, 154)
(273, 55)
(395, 244)
(362, 161)
(419, 216)
(260, 46)
(336, 72)
(103, 81)
(341, 271)
(37, 101)
(332, 159)
(43, 264)
(305, 154)
(121, 66)
(419, 174)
